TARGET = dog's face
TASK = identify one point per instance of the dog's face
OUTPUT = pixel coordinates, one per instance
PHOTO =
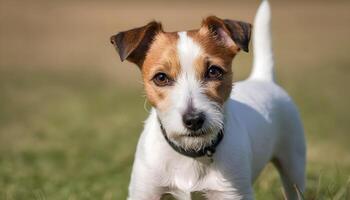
(187, 75)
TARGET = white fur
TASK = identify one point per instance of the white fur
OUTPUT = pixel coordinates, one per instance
(261, 123)
(263, 56)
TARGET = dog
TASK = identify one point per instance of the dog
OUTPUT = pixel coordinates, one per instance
(204, 134)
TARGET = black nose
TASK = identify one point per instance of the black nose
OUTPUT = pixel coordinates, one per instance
(193, 121)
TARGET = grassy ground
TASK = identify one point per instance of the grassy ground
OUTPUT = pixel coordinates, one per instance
(71, 114)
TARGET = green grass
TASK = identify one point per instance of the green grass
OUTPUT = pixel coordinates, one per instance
(66, 136)
(72, 135)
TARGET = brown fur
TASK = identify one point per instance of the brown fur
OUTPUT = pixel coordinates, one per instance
(161, 57)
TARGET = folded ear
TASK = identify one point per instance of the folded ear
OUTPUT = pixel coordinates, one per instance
(133, 44)
(229, 31)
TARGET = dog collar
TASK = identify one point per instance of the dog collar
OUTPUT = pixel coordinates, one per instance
(206, 151)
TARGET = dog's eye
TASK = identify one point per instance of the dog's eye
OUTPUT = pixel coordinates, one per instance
(161, 79)
(214, 73)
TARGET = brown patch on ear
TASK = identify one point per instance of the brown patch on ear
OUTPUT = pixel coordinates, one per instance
(239, 32)
(133, 44)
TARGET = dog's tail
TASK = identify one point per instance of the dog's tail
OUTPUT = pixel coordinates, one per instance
(263, 62)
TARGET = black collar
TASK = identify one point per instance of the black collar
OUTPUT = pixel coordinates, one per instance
(206, 151)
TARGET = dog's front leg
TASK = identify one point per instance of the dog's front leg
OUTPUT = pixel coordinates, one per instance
(143, 185)
(228, 195)
(144, 192)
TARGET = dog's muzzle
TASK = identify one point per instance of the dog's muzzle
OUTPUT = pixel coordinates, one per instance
(205, 151)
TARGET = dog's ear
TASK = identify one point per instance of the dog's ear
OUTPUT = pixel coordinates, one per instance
(133, 44)
(230, 32)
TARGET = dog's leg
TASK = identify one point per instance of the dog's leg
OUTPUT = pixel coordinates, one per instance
(143, 187)
(290, 157)
(145, 193)
(290, 160)
(220, 195)
(181, 195)
(292, 172)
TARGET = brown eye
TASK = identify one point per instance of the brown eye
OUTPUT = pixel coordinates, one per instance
(214, 73)
(161, 79)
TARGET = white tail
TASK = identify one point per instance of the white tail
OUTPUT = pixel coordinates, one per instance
(263, 63)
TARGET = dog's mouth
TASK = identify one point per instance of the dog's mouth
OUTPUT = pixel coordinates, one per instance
(191, 134)
(203, 132)
(195, 144)
(201, 136)
(199, 133)
(188, 140)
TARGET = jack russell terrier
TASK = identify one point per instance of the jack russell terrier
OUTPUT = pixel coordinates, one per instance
(202, 133)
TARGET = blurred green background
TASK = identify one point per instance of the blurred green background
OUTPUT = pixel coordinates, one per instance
(71, 112)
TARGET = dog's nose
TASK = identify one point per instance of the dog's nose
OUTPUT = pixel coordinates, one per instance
(193, 121)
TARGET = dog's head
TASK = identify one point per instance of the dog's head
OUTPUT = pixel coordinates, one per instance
(187, 75)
